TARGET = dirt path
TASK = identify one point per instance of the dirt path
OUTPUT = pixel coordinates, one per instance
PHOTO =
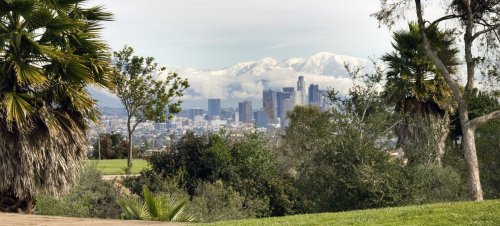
(11, 219)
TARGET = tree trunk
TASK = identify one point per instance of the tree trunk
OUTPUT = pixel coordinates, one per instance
(130, 145)
(442, 134)
(130, 148)
(469, 150)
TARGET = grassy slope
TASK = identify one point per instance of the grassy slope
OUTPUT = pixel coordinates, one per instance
(461, 213)
(117, 166)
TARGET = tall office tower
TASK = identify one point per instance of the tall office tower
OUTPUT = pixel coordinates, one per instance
(293, 95)
(269, 103)
(245, 111)
(213, 108)
(314, 97)
(301, 88)
(281, 97)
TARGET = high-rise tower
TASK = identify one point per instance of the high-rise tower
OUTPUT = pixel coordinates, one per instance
(245, 111)
(213, 108)
(301, 89)
(269, 104)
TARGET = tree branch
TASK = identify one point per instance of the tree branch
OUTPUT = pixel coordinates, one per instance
(447, 17)
(484, 119)
(477, 34)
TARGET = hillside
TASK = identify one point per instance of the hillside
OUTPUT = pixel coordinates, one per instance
(461, 213)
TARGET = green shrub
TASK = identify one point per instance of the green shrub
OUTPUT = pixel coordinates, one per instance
(216, 202)
(89, 197)
(156, 207)
(433, 183)
(247, 164)
(155, 182)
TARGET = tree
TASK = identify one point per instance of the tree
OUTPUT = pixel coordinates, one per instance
(417, 88)
(112, 146)
(339, 159)
(143, 93)
(49, 52)
(480, 26)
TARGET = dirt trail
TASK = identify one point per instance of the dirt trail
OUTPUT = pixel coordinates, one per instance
(11, 219)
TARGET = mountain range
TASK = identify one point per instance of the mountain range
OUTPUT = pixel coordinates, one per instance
(247, 80)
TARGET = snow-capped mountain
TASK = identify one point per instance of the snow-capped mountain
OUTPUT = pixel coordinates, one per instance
(247, 80)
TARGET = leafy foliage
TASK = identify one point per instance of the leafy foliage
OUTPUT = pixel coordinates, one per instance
(112, 145)
(160, 207)
(412, 74)
(216, 202)
(89, 197)
(246, 164)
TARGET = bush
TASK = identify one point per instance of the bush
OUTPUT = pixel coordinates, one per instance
(245, 163)
(433, 183)
(89, 197)
(156, 207)
(156, 182)
(216, 202)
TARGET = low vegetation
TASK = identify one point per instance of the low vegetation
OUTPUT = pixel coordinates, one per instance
(90, 196)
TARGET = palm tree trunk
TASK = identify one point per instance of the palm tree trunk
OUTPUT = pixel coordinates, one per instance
(442, 133)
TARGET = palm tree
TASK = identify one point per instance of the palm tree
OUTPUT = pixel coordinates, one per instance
(416, 88)
(160, 207)
(50, 50)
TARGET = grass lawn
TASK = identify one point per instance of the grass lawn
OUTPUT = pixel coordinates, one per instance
(460, 213)
(117, 166)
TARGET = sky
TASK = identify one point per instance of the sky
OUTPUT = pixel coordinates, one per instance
(207, 34)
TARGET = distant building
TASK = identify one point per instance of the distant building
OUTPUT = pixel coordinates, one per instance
(195, 112)
(213, 108)
(245, 111)
(301, 90)
(314, 95)
(227, 114)
(288, 89)
(260, 118)
(269, 104)
(281, 97)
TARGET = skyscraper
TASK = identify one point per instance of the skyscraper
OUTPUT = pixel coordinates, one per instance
(213, 108)
(301, 89)
(314, 95)
(245, 111)
(281, 97)
(269, 104)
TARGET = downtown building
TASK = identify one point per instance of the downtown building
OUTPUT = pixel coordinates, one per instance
(214, 109)
(245, 112)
